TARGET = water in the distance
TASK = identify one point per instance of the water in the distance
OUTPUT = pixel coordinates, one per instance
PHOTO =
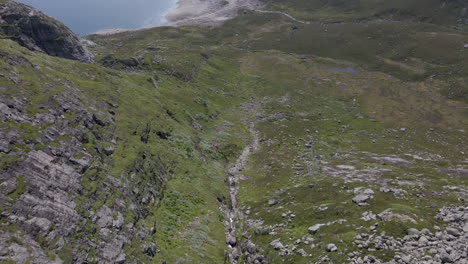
(89, 16)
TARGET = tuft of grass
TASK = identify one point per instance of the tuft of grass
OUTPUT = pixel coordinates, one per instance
(21, 188)
(15, 240)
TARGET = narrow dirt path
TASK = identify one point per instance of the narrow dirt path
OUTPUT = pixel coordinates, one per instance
(284, 14)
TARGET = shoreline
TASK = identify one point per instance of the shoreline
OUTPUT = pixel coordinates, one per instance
(208, 13)
(164, 22)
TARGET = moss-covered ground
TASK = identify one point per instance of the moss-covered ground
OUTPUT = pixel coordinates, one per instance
(331, 94)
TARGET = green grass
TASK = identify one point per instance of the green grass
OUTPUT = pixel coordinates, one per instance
(432, 11)
(191, 85)
(20, 188)
(328, 108)
(7, 161)
(16, 240)
(7, 261)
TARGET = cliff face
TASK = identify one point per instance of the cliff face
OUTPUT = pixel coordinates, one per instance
(38, 32)
(59, 200)
(40, 186)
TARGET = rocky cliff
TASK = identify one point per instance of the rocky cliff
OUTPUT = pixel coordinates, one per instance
(38, 32)
(86, 154)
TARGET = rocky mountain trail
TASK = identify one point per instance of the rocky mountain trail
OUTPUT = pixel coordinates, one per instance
(284, 14)
(241, 247)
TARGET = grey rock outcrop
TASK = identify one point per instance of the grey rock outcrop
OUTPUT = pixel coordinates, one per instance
(362, 196)
(38, 189)
(251, 252)
(422, 246)
(276, 245)
(38, 32)
(331, 248)
(360, 199)
(313, 229)
(412, 232)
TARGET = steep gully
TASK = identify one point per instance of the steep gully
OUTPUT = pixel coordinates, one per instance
(231, 211)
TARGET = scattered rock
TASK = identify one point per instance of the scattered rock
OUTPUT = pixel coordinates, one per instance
(445, 258)
(361, 199)
(331, 248)
(149, 249)
(110, 61)
(231, 241)
(389, 215)
(443, 247)
(423, 241)
(407, 259)
(426, 232)
(393, 160)
(314, 229)
(412, 232)
(346, 167)
(453, 232)
(397, 192)
(368, 216)
(301, 252)
(109, 150)
(272, 202)
(276, 245)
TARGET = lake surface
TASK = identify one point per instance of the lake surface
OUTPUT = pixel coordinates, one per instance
(89, 16)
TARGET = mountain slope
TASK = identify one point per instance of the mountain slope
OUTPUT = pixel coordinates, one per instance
(449, 13)
(265, 140)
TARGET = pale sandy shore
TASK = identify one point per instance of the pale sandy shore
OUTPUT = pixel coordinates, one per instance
(208, 12)
(198, 12)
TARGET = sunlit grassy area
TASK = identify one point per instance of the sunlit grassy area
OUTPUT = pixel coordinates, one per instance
(370, 94)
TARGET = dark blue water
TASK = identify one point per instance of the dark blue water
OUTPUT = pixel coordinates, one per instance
(88, 16)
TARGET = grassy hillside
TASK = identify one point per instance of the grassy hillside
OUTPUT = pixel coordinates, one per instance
(449, 13)
(377, 101)
(172, 140)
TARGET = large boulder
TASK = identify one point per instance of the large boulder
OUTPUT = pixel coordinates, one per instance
(38, 32)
